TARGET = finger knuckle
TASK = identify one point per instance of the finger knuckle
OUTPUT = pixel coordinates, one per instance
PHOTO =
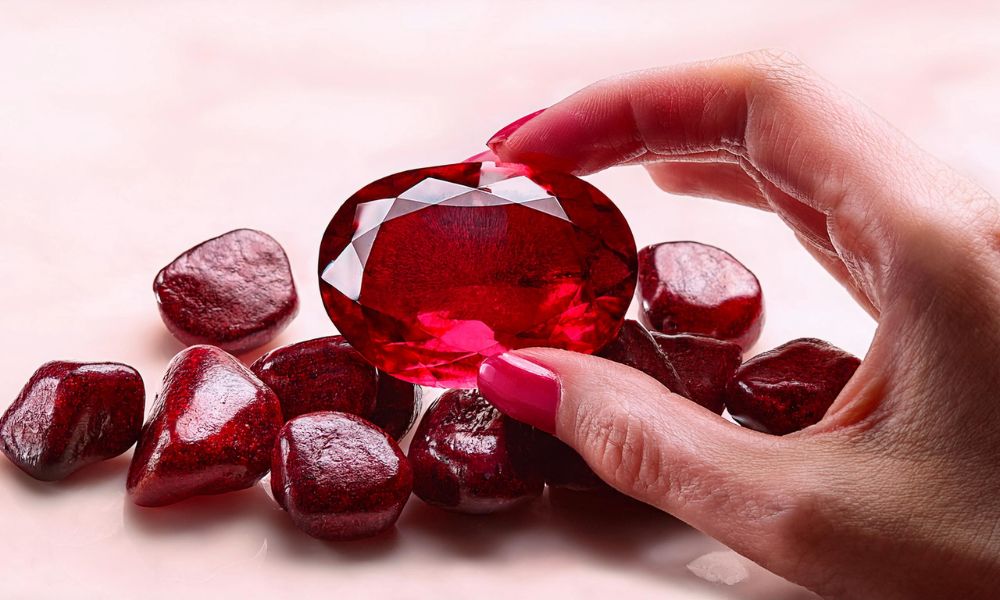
(775, 64)
(624, 453)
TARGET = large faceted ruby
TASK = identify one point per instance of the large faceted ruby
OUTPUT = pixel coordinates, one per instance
(429, 271)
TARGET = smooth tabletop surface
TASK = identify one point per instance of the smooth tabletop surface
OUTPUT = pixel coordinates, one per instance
(131, 131)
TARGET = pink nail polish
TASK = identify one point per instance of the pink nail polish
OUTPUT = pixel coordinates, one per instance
(502, 135)
(521, 389)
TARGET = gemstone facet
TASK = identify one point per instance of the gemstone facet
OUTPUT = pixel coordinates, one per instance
(429, 271)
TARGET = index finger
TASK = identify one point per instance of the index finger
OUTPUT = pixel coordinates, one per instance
(796, 133)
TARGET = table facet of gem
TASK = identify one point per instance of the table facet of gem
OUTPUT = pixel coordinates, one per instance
(427, 272)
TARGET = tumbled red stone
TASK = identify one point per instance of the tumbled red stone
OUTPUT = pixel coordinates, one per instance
(70, 415)
(211, 430)
(429, 271)
(705, 365)
(469, 457)
(562, 467)
(397, 404)
(791, 387)
(636, 348)
(688, 287)
(234, 291)
(338, 476)
(322, 374)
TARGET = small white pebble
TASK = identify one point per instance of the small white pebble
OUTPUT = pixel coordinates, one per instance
(724, 566)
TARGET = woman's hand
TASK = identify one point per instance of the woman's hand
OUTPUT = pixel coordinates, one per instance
(896, 492)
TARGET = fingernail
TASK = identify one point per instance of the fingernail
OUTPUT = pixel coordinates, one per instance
(521, 389)
(502, 135)
(484, 156)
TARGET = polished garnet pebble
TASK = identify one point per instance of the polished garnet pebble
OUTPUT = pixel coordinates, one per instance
(234, 291)
(329, 374)
(469, 457)
(70, 415)
(563, 467)
(791, 387)
(321, 374)
(338, 476)
(636, 348)
(687, 287)
(211, 430)
(429, 271)
(705, 365)
(397, 404)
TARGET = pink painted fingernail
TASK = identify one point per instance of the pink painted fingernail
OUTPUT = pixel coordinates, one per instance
(502, 135)
(521, 389)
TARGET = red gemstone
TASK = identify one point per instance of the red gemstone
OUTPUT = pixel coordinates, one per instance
(427, 272)
(234, 291)
(70, 415)
(397, 404)
(321, 374)
(338, 476)
(705, 365)
(211, 430)
(791, 387)
(469, 457)
(687, 287)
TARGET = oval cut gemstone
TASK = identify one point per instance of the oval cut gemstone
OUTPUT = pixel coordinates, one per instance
(428, 272)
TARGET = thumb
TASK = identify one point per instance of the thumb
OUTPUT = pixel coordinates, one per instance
(649, 443)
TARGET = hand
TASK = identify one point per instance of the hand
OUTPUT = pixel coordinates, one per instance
(896, 492)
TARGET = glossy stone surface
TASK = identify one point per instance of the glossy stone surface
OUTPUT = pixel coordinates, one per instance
(429, 271)
(211, 430)
(322, 374)
(688, 287)
(70, 415)
(636, 348)
(234, 291)
(397, 404)
(791, 387)
(469, 457)
(705, 365)
(338, 476)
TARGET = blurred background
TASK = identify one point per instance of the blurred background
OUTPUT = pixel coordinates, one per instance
(130, 131)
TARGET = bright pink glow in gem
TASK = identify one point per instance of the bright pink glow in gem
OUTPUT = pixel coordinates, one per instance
(429, 271)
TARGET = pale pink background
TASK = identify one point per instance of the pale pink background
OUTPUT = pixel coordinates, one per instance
(130, 131)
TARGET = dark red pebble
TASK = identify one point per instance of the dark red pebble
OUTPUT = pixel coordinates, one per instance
(791, 387)
(397, 404)
(234, 291)
(688, 287)
(211, 430)
(705, 365)
(338, 476)
(321, 374)
(70, 415)
(636, 348)
(469, 457)
(562, 467)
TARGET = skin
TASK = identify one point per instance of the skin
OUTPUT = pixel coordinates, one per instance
(896, 492)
